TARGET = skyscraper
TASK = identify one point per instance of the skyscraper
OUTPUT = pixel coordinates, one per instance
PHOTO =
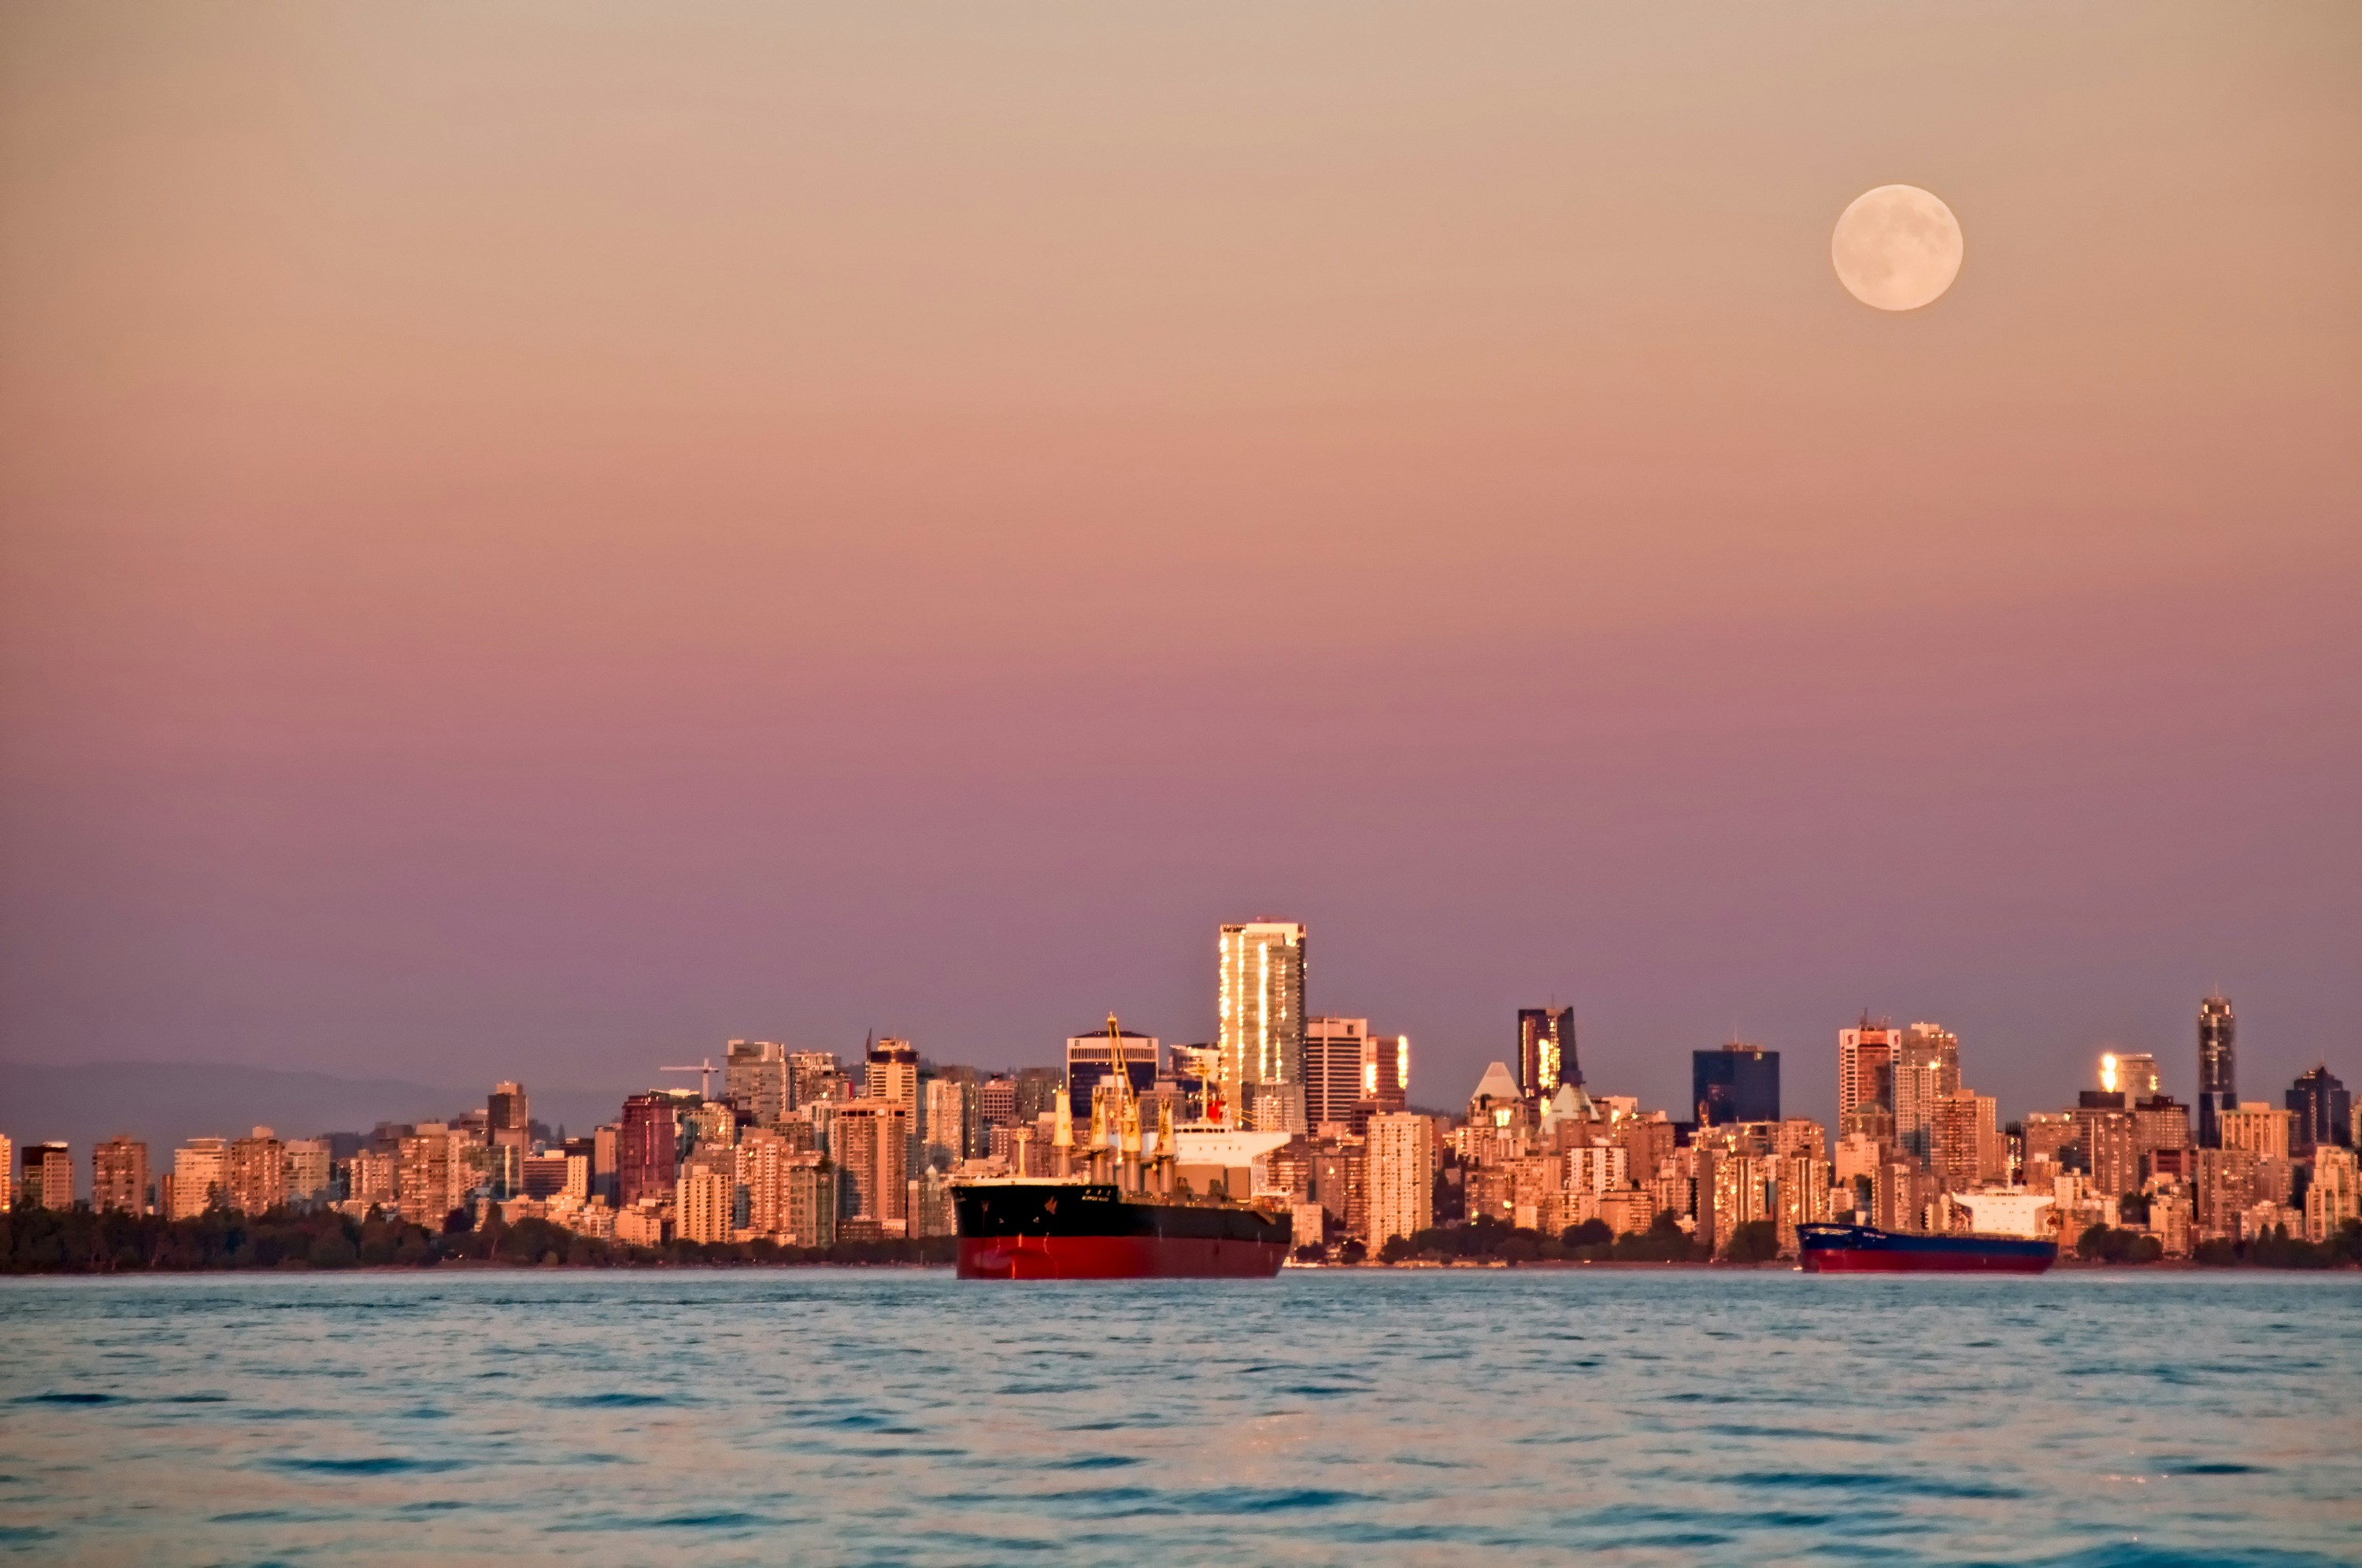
(1926, 1068)
(1545, 1055)
(258, 1173)
(200, 1177)
(1260, 1009)
(755, 1080)
(2218, 1077)
(1736, 1082)
(1398, 1177)
(2322, 1109)
(1334, 1052)
(1089, 1063)
(1866, 1065)
(507, 1116)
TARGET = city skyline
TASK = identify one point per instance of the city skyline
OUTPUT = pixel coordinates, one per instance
(830, 564)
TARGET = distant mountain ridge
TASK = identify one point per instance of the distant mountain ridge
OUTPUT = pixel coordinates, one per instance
(167, 1103)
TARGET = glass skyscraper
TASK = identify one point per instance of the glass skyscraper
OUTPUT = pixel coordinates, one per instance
(1735, 1082)
(2218, 1078)
(1546, 1050)
(1261, 1009)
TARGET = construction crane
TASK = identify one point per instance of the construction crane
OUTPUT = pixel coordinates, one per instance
(704, 1071)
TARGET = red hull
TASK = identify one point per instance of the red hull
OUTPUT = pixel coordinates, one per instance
(1838, 1261)
(1117, 1257)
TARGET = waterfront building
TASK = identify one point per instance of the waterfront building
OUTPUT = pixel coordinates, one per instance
(2218, 1076)
(310, 1169)
(1090, 1062)
(1260, 1008)
(1334, 1051)
(437, 1174)
(258, 1173)
(7, 1174)
(2226, 1188)
(755, 1079)
(200, 1177)
(648, 1224)
(374, 1179)
(2263, 1129)
(1336, 1179)
(2111, 1150)
(1597, 1168)
(705, 1196)
(1646, 1142)
(49, 1178)
(118, 1176)
(1801, 1196)
(2321, 1111)
(543, 1175)
(1926, 1068)
(1546, 1052)
(870, 1139)
(2161, 1128)
(2331, 1199)
(1399, 1176)
(1737, 1082)
(1866, 1066)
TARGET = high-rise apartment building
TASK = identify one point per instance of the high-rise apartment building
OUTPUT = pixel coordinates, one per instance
(2218, 1062)
(118, 1174)
(1966, 1142)
(1260, 1009)
(1866, 1066)
(309, 1165)
(1399, 1164)
(507, 1116)
(2320, 1111)
(437, 1174)
(2331, 1199)
(870, 1141)
(950, 1119)
(2262, 1130)
(891, 1072)
(1736, 1082)
(1334, 1049)
(755, 1079)
(373, 1178)
(200, 1177)
(996, 1101)
(814, 1076)
(49, 1178)
(258, 1173)
(647, 1144)
(7, 1174)
(1546, 1053)
(705, 1198)
(1926, 1068)
(1386, 1078)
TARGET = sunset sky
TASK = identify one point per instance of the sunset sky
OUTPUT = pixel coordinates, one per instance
(536, 539)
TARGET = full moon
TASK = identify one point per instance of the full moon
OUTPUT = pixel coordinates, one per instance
(1897, 248)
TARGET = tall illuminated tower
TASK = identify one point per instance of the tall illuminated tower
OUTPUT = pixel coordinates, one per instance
(2218, 1077)
(1262, 1010)
(1546, 1050)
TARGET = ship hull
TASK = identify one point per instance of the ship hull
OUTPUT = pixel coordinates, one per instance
(1861, 1249)
(1073, 1231)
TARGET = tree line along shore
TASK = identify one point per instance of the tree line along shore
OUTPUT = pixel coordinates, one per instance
(82, 1242)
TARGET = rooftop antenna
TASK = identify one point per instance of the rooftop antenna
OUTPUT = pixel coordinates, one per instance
(704, 1071)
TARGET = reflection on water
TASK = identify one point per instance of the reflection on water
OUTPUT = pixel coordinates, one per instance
(825, 1417)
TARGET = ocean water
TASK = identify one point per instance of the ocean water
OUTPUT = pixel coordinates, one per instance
(897, 1417)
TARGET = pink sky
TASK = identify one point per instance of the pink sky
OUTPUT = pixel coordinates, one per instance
(540, 538)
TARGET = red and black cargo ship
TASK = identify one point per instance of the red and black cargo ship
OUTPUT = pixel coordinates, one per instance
(1865, 1249)
(1043, 1228)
